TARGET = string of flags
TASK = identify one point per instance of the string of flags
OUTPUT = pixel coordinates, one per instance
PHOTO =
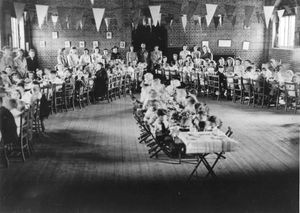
(194, 11)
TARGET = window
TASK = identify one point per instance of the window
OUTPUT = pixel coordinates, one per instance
(17, 33)
(285, 32)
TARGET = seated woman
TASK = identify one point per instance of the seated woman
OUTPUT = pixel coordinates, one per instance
(206, 53)
(238, 68)
(229, 66)
(21, 63)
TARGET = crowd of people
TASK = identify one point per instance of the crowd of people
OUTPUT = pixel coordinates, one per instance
(22, 77)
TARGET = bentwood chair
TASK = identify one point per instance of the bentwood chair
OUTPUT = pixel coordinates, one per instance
(292, 99)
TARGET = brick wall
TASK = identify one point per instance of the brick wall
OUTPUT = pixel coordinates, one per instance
(237, 34)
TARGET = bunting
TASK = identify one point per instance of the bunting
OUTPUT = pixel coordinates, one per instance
(248, 13)
(268, 11)
(54, 18)
(200, 10)
(216, 21)
(98, 15)
(41, 11)
(280, 13)
(25, 15)
(107, 23)
(192, 6)
(155, 13)
(210, 8)
(184, 21)
(230, 11)
(19, 10)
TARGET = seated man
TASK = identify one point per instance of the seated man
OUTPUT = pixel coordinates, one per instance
(8, 127)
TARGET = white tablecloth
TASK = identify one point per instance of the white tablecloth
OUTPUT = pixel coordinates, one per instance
(207, 142)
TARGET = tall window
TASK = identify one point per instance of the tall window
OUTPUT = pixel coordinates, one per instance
(17, 33)
(285, 32)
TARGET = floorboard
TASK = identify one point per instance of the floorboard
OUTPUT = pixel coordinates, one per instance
(89, 160)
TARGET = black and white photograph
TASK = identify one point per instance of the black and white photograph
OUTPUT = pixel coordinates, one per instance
(149, 106)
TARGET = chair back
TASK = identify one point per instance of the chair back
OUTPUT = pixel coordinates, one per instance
(229, 132)
(246, 83)
(291, 89)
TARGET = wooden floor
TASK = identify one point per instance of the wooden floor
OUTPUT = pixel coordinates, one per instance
(90, 161)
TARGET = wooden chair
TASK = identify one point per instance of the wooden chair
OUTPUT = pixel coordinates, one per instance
(258, 91)
(58, 100)
(110, 89)
(35, 116)
(24, 135)
(214, 86)
(69, 96)
(273, 93)
(79, 93)
(292, 99)
(238, 89)
(230, 88)
(48, 92)
(246, 90)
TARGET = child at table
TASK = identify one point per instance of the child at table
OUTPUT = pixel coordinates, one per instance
(213, 123)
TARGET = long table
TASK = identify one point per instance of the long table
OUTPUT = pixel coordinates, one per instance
(202, 144)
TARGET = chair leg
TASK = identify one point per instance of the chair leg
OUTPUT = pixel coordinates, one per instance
(5, 156)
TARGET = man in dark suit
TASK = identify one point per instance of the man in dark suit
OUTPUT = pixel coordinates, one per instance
(143, 54)
(8, 127)
(32, 62)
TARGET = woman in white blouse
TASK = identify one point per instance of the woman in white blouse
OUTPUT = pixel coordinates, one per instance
(73, 59)
(85, 59)
(96, 56)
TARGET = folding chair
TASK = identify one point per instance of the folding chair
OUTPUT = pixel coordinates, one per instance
(292, 99)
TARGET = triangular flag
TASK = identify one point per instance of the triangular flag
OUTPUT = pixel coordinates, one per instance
(155, 13)
(211, 9)
(280, 13)
(199, 20)
(248, 13)
(268, 10)
(258, 16)
(54, 18)
(184, 21)
(25, 15)
(216, 21)
(92, 2)
(19, 9)
(233, 21)
(159, 20)
(98, 15)
(41, 11)
(107, 22)
(229, 10)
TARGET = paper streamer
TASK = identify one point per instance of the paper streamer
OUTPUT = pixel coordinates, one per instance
(19, 9)
(268, 11)
(211, 9)
(98, 15)
(155, 13)
(184, 21)
(41, 11)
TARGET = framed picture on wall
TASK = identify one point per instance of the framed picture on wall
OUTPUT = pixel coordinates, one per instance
(224, 43)
(82, 44)
(54, 35)
(246, 45)
(42, 44)
(95, 44)
(122, 44)
(67, 44)
(205, 43)
(108, 35)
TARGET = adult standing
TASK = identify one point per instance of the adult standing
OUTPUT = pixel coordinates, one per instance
(156, 56)
(131, 55)
(184, 53)
(62, 60)
(73, 59)
(101, 81)
(7, 59)
(196, 54)
(143, 54)
(115, 55)
(32, 62)
(96, 56)
(21, 64)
